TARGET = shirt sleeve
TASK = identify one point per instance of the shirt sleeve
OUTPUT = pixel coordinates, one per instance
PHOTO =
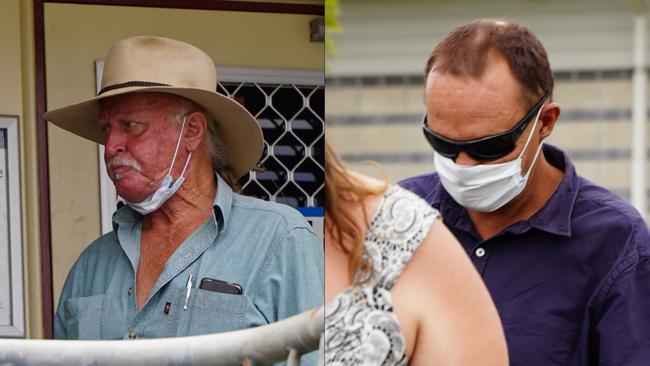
(292, 279)
(623, 328)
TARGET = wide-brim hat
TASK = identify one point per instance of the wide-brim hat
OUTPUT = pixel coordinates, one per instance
(157, 64)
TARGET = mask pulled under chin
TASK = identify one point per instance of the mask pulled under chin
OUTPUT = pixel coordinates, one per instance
(167, 188)
(485, 187)
(154, 201)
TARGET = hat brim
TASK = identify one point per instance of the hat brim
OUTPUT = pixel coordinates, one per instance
(240, 133)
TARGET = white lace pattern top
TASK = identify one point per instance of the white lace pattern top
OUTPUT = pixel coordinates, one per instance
(360, 325)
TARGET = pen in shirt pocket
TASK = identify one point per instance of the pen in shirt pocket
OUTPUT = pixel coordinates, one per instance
(188, 291)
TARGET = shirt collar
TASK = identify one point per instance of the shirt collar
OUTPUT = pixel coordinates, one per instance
(554, 217)
(125, 215)
(222, 202)
(221, 206)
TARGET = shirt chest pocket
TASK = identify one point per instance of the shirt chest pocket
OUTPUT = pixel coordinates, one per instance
(207, 312)
(83, 316)
(539, 338)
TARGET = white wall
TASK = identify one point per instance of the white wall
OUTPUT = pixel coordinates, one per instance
(395, 37)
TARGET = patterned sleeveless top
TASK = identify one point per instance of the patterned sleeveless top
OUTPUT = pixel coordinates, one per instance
(360, 325)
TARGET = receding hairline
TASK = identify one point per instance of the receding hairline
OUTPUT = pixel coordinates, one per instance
(462, 54)
(493, 57)
(475, 39)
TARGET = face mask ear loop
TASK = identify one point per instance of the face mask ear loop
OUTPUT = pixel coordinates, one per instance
(178, 143)
(535, 158)
(187, 162)
(532, 132)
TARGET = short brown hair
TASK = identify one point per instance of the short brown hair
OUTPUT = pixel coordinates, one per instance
(464, 52)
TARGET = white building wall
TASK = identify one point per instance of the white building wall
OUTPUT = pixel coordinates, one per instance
(383, 37)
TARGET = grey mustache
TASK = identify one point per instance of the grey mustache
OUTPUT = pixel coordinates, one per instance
(122, 161)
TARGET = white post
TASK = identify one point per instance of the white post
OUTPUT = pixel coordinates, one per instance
(639, 113)
(108, 195)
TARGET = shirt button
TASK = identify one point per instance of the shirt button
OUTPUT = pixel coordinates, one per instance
(130, 291)
(480, 252)
(132, 335)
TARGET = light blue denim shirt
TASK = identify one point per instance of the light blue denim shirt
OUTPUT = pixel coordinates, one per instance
(267, 248)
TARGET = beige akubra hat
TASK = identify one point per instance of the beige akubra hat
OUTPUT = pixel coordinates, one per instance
(155, 64)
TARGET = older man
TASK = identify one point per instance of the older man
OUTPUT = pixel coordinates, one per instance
(187, 254)
(567, 262)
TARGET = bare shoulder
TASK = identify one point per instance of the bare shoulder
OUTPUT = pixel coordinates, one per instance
(446, 312)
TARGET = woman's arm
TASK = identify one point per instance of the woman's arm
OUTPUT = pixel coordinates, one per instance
(445, 311)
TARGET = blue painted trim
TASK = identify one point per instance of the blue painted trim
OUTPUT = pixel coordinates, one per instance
(312, 211)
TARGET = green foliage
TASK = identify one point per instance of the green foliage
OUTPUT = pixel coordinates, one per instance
(332, 12)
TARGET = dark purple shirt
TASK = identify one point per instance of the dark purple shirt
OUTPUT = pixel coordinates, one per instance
(572, 283)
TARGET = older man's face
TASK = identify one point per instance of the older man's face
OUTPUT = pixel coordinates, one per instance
(471, 108)
(140, 141)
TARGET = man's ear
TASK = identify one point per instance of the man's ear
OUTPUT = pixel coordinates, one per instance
(196, 126)
(548, 119)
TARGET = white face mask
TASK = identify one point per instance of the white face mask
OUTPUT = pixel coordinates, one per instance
(167, 187)
(485, 187)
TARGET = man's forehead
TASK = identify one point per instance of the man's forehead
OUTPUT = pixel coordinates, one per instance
(468, 94)
(497, 87)
(465, 108)
(139, 100)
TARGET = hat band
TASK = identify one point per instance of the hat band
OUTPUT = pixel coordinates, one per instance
(130, 84)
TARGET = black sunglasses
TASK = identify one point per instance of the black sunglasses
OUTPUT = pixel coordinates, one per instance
(486, 148)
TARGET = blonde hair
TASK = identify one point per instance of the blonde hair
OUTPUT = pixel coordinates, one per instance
(347, 234)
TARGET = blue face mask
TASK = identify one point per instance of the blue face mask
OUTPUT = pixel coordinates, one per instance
(167, 187)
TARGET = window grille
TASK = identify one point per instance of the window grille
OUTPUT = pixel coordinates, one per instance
(291, 170)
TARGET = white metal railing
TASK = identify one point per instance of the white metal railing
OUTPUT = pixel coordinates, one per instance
(287, 339)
